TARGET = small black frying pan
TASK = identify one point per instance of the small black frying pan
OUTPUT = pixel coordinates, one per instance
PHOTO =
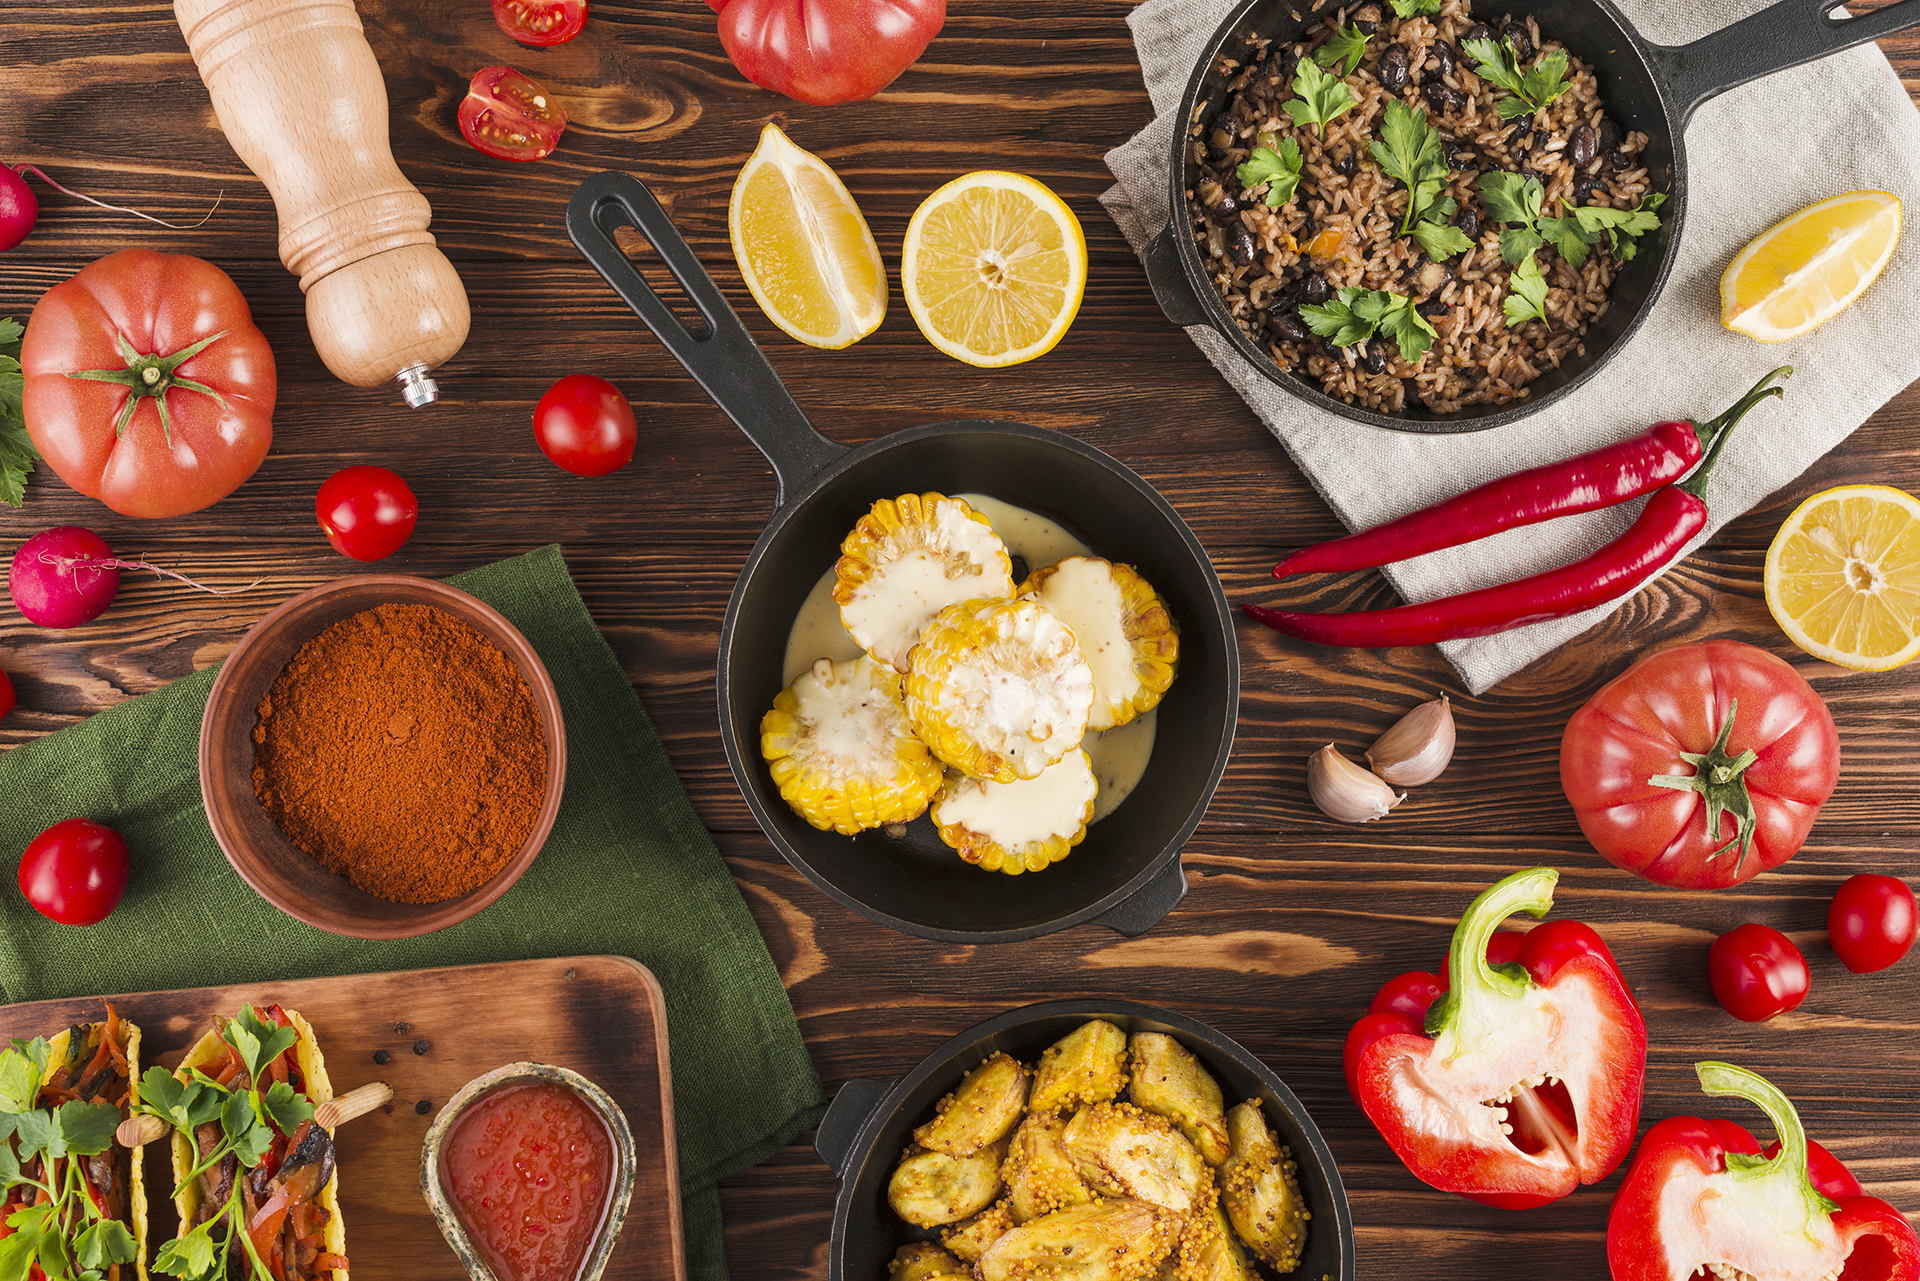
(1126, 874)
(1647, 87)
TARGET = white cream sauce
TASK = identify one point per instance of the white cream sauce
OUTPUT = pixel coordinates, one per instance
(1082, 593)
(1120, 755)
(1015, 814)
(854, 721)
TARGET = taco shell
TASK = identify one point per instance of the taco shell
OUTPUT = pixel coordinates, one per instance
(136, 1182)
(313, 1070)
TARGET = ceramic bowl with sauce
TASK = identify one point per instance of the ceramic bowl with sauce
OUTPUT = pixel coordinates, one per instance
(474, 1154)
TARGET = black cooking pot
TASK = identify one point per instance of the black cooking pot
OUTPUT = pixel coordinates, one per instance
(1126, 875)
(871, 1123)
(1647, 87)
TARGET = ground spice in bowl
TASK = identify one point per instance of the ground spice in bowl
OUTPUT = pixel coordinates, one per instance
(402, 749)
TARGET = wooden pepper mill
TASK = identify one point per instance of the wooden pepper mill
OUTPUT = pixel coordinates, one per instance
(297, 90)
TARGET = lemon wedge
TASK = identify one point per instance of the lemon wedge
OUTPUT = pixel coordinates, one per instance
(993, 268)
(1843, 576)
(803, 247)
(1805, 270)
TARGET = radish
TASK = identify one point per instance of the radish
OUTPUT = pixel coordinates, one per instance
(68, 576)
(19, 210)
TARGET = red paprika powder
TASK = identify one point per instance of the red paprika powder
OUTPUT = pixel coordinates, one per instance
(402, 750)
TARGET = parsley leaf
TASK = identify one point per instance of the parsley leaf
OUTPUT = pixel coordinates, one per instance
(1408, 150)
(1631, 223)
(192, 1255)
(17, 453)
(20, 1075)
(1353, 314)
(1440, 239)
(85, 1129)
(1280, 170)
(250, 1139)
(104, 1244)
(258, 1041)
(286, 1107)
(1532, 89)
(1345, 43)
(1415, 8)
(1511, 198)
(1528, 301)
(1322, 97)
(1569, 238)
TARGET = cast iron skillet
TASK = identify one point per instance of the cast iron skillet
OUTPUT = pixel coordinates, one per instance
(1652, 88)
(1126, 875)
(871, 1123)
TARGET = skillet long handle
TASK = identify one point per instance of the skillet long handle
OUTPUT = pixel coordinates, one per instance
(1784, 34)
(721, 356)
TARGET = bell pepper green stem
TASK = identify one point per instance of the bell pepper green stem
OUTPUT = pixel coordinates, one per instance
(1790, 1163)
(1474, 985)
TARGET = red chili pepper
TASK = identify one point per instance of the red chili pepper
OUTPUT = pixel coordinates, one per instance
(1522, 1080)
(1701, 1195)
(1666, 524)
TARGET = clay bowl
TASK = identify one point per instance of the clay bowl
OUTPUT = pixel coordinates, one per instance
(280, 871)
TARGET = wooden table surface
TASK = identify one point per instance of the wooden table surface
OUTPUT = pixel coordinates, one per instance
(1292, 920)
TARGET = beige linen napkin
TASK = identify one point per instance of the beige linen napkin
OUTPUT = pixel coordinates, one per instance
(1755, 154)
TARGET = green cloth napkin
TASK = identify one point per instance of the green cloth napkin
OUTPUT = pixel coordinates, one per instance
(626, 844)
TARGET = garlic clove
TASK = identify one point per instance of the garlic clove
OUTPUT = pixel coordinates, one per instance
(1346, 792)
(1417, 748)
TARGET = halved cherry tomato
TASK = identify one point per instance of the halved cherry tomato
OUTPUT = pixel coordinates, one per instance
(510, 116)
(541, 21)
(1872, 921)
(366, 511)
(1757, 972)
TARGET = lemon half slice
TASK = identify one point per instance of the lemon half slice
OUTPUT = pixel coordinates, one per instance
(1843, 576)
(1806, 269)
(806, 253)
(993, 268)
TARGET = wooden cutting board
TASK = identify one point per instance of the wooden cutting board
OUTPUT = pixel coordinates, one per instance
(602, 1016)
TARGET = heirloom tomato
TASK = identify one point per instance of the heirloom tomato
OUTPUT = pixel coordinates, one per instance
(827, 51)
(147, 384)
(1701, 766)
(75, 871)
(1871, 922)
(540, 22)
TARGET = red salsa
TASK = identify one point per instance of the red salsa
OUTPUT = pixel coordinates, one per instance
(530, 1168)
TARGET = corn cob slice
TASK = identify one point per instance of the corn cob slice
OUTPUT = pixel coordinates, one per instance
(909, 558)
(998, 689)
(1021, 826)
(1123, 628)
(841, 751)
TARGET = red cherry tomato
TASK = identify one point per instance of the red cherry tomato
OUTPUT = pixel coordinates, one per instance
(586, 425)
(510, 117)
(75, 872)
(1757, 972)
(367, 512)
(6, 695)
(1872, 921)
(540, 21)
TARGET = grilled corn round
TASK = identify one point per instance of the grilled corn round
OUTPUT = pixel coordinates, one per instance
(907, 559)
(841, 752)
(1021, 826)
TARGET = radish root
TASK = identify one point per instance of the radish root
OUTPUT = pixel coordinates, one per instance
(72, 565)
(40, 173)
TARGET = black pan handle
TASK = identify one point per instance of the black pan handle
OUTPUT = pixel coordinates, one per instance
(1169, 282)
(1148, 905)
(845, 1118)
(1784, 34)
(722, 357)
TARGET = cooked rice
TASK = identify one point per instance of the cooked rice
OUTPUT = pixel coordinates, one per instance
(1477, 358)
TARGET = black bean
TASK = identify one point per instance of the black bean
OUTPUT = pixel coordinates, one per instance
(1224, 208)
(1619, 161)
(1458, 157)
(1367, 18)
(1433, 307)
(1521, 134)
(1288, 63)
(1441, 53)
(1442, 97)
(1582, 146)
(1469, 224)
(1536, 176)
(1285, 326)
(1393, 68)
(1343, 163)
(1315, 289)
(1375, 358)
(1521, 38)
(1583, 189)
(1240, 246)
(1609, 135)
(1478, 31)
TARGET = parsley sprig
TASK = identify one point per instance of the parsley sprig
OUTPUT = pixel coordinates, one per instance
(1408, 149)
(17, 454)
(1348, 43)
(1527, 299)
(1531, 89)
(66, 1235)
(248, 1120)
(1517, 200)
(1415, 8)
(1277, 166)
(1322, 97)
(1354, 314)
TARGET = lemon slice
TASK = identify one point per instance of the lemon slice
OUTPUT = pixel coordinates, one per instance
(803, 247)
(1805, 270)
(993, 268)
(1843, 576)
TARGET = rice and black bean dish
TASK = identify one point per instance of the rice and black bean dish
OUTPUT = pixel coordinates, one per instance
(1409, 205)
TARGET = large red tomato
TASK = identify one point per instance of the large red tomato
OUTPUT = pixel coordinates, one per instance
(1701, 766)
(147, 385)
(827, 51)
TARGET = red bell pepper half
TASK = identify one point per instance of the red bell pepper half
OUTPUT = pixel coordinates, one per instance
(1521, 1080)
(1701, 1196)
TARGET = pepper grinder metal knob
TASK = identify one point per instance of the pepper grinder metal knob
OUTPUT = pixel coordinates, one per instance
(296, 88)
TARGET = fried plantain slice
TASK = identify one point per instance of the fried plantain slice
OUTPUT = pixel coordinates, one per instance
(931, 1188)
(985, 1107)
(1040, 1177)
(1168, 1079)
(925, 1261)
(1261, 1190)
(970, 1238)
(1117, 1240)
(1087, 1065)
(1121, 1150)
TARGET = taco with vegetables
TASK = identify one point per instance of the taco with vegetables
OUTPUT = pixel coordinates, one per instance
(254, 1172)
(85, 1210)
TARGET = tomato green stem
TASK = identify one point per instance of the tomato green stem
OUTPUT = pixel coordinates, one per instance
(152, 375)
(1721, 780)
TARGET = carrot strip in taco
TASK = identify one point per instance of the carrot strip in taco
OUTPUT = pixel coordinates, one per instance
(72, 1203)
